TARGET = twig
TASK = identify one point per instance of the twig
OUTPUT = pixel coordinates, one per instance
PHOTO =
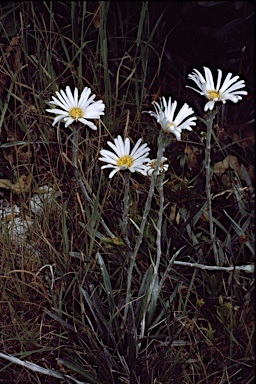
(249, 268)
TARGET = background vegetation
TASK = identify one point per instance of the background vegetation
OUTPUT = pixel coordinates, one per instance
(62, 279)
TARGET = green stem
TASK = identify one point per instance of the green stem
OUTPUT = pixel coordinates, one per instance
(159, 251)
(160, 219)
(126, 206)
(163, 141)
(75, 142)
(210, 119)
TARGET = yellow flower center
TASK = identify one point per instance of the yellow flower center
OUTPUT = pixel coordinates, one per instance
(76, 113)
(153, 164)
(161, 166)
(213, 95)
(125, 162)
(172, 124)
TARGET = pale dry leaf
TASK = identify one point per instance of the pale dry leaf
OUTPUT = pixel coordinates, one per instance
(230, 162)
(5, 183)
(191, 157)
(175, 215)
(14, 43)
(22, 184)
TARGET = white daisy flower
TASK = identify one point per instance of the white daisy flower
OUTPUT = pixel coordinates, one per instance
(228, 91)
(76, 110)
(165, 117)
(152, 164)
(123, 159)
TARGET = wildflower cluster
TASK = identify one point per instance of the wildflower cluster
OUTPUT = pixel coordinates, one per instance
(72, 109)
(123, 157)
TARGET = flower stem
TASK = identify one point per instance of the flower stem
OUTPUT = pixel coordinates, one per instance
(160, 219)
(208, 180)
(159, 251)
(163, 141)
(75, 141)
(126, 206)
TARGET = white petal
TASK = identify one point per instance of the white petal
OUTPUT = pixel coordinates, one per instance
(109, 161)
(140, 161)
(194, 89)
(110, 165)
(76, 96)
(219, 79)
(183, 114)
(120, 145)
(84, 97)
(209, 78)
(127, 146)
(109, 155)
(164, 105)
(63, 96)
(209, 105)
(88, 123)
(178, 135)
(186, 125)
(61, 104)
(157, 107)
(228, 82)
(68, 121)
(95, 110)
(135, 147)
(236, 93)
(57, 119)
(58, 112)
(113, 173)
(172, 110)
(114, 147)
(234, 87)
(141, 153)
(85, 103)
(69, 96)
